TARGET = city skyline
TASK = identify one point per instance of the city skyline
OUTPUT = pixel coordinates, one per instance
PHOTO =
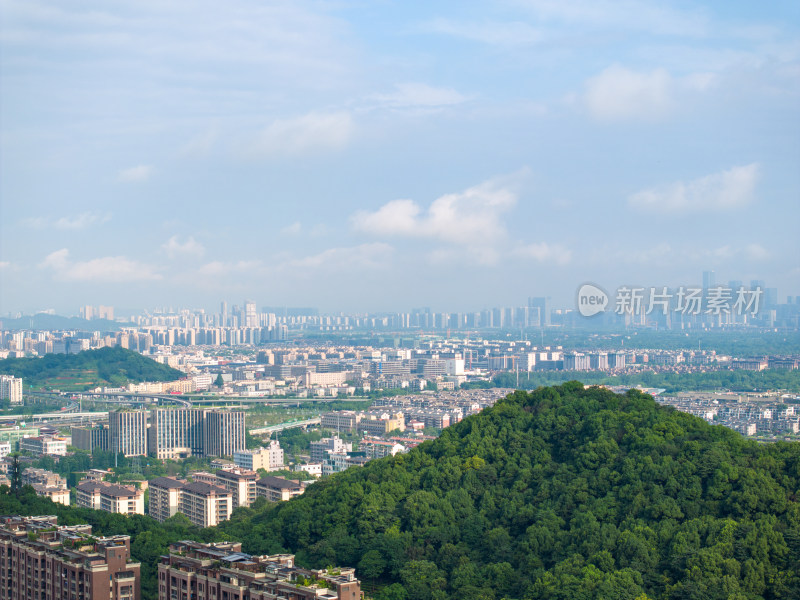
(379, 158)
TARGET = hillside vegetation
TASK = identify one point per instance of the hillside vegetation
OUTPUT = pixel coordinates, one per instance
(90, 368)
(559, 493)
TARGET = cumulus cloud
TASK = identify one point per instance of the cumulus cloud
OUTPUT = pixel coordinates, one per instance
(726, 190)
(137, 174)
(292, 229)
(108, 269)
(174, 248)
(619, 93)
(469, 217)
(309, 133)
(363, 256)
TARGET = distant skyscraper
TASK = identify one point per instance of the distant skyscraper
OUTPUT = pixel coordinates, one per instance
(709, 280)
(250, 314)
(543, 304)
(223, 314)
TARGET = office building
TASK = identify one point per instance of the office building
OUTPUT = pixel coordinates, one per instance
(40, 560)
(176, 433)
(224, 432)
(127, 432)
(89, 438)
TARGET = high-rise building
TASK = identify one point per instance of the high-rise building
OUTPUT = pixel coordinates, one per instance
(224, 432)
(127, 432)
(709, 280)
(176, 433)
(42, 560)
(89, 438)
(250, 314)
(543, 305)
(11, 389)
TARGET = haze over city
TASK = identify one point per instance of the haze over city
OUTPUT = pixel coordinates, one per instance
(385, 156)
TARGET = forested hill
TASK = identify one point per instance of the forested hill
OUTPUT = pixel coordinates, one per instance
(87, 369)
(560, 493)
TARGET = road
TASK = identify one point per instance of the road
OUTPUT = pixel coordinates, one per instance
(282, 426)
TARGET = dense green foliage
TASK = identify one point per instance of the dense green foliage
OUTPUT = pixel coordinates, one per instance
(90, 368)
(735, 380)
(560, 493)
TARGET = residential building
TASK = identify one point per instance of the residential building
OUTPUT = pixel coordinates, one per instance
(109, 497)
(221, 571)
(321, 448)
(44, 444)
(43, 477)
(127, 432)
(44, 561)
(278, 489)
(241, 483)
(340, 420)
(56, 494)
(377, 448)
(205, 505)
(5, 449)
(165, 496)
(11, 389)
(269, 458)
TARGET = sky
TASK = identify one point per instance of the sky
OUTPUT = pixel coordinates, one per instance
(380, 156)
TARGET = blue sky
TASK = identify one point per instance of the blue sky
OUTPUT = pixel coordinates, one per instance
(384, 155)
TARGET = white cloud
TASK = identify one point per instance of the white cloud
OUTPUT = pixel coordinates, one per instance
(310, 133)
(136, 174)
(619, 93)
(636, 15)
(420, 95)
(190, 248)
(108, 269)
(509, 33)
(217, 268)
(471, 217)
(363, 256)
(81, 221)
(726, 190)
(544, 253)
(292, 229)
(4, 264)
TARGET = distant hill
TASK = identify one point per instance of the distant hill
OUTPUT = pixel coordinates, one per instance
(90, 368)
(561, 493)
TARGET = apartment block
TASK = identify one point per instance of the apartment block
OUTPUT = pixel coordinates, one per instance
(205, 505)
(110, 497)
(241, 483)
(44, 561)
(221, 571)
(165, 497)
(44, 445)
(325, 446)
(278, 489)
(269, 458)
(11, 389)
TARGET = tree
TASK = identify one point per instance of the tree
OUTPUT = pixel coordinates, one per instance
(372, 565)
(15, 474)
(219, 382)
